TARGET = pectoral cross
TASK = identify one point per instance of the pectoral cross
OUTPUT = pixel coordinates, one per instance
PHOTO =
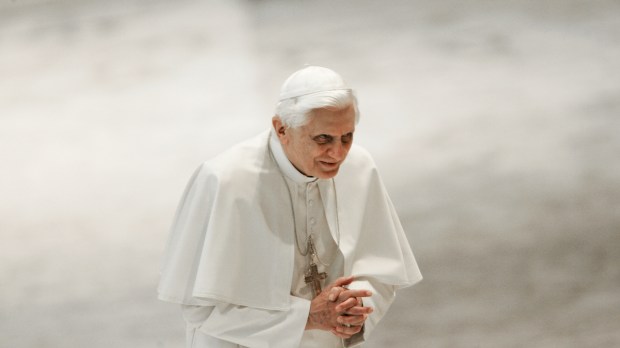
(313, 277)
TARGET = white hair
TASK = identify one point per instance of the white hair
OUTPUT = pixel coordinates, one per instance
(294, 112)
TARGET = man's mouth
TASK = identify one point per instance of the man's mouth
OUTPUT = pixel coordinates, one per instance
(329, 164)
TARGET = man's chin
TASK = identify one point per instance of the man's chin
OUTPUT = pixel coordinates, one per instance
(327, 174)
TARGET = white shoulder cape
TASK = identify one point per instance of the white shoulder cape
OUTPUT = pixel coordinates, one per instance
(232, 239)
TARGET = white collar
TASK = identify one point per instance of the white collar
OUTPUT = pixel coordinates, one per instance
(283, 162)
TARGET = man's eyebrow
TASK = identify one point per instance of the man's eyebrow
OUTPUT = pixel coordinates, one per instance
(337, 135)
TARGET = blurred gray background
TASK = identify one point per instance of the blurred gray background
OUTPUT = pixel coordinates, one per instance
(495, 125)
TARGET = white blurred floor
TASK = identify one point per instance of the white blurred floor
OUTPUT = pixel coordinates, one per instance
(494, 123)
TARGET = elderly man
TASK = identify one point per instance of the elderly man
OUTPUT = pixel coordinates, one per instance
(289, 239)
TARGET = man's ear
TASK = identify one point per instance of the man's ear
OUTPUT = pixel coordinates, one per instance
(279, 127)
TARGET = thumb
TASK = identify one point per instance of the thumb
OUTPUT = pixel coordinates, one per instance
(334, 293)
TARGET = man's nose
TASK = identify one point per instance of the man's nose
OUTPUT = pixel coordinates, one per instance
(337, 151)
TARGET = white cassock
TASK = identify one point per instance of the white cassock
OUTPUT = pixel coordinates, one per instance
(232, 261)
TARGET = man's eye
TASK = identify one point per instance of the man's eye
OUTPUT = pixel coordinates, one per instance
(347, 138)
(323, 139)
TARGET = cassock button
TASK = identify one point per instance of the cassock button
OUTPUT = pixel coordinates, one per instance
(310, 202)
(312, 221)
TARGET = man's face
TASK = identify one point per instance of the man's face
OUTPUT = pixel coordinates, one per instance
(319, 147)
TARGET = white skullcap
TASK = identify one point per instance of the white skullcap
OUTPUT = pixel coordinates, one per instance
(310, 80)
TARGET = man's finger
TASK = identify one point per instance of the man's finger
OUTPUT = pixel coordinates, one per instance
(342, 281)
(357, 310)
(344, 306)
(339, 334)
(352, 320)
(348, 330)
(354, 293)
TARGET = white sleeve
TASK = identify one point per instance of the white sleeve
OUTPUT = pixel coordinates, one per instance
(381, 300)
(251, 327)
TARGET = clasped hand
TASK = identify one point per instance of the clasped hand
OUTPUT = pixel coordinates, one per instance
(338, 309)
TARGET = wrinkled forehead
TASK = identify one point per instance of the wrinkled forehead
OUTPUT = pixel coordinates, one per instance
(331, 120)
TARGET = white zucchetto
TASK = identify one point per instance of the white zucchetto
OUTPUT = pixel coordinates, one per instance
(310, 80)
